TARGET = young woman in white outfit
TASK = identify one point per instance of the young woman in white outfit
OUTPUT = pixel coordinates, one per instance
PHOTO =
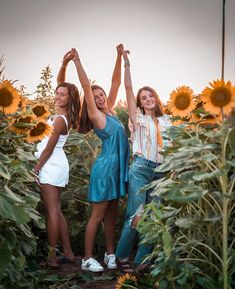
(52, 168)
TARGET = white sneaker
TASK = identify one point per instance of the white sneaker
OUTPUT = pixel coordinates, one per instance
(110, 261)
(91, 265)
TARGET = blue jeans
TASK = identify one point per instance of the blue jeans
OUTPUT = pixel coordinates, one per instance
(141, 173)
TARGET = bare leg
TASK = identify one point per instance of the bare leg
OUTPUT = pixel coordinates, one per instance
(64, 235)
(97, 215)
(110, 225)
(50, 198)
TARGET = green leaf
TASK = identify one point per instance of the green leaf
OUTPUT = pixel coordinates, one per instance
(12, 196)
(24, 156)
(208, 157)
(163, 284)
(13, 211)
(166, 238)
(200, 176)
(10, 237)
(4, 172)
(186, 222)
(5, 254)
(4, 158)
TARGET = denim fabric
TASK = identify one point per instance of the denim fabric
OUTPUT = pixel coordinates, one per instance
(141, 173)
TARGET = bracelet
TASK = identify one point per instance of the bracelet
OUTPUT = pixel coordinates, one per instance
(126, 63)
(76, 59)
(64, 66)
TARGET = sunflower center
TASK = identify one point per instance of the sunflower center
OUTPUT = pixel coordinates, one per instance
(21, 123)
(182, 101)
(39, 110)
(38, 130)
(26, 119)
(220, 96)
(6, 97)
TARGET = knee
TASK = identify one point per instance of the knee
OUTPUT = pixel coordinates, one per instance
(96, 218)
(51, 214)
(134, 221)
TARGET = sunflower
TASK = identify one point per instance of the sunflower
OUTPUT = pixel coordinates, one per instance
(41, 111)
(201, 116)
(166, 110)
(23, 103)
(220, 97)
(127, 279)
(22, 124)
(9, 97)
(179, 121)
(39, 131)
(181, 101)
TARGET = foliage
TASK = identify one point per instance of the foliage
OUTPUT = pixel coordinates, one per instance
(44, 91)
(81, 151)
(122, 113)
(18, 202)
(193, 232)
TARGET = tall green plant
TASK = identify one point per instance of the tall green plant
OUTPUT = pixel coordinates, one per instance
(18, 195)
(194, 233)
(44, 91)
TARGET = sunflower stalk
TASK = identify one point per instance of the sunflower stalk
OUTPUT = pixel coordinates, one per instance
(224, 182)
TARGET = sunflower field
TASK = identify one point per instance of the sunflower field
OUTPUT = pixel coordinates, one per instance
(192, 231)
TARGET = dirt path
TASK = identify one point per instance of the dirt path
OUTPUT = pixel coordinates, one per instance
(73, 274)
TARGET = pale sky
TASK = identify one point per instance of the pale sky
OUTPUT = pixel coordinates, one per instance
(172, 42)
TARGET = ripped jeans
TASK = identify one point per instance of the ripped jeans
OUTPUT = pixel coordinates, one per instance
(141, 173)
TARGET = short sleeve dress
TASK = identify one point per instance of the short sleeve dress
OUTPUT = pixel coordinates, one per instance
(109, 173)
(56, 169)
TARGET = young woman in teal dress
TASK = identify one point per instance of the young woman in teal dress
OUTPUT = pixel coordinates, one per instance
(109, 174)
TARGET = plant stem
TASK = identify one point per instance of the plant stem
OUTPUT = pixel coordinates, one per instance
(225, 215)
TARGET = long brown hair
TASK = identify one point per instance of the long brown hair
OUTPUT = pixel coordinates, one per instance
(74, 104)
(158, 107)
(85, 124)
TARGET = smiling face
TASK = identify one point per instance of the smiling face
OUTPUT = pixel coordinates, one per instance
(61, 97)
(147, 100)
(100, 98)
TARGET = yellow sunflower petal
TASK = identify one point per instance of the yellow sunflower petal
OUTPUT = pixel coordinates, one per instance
(126, 279)
(220, 97)
(181, 101)
(9, 97)
(204, 119)
(23, 103)
(39, 131)
(166, 110)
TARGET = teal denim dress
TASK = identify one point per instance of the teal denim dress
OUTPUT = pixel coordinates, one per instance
(109, 173)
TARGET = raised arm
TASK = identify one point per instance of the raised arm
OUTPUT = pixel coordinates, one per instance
(94, 113)
(116, 77)
(61, 74)
(129, 90)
